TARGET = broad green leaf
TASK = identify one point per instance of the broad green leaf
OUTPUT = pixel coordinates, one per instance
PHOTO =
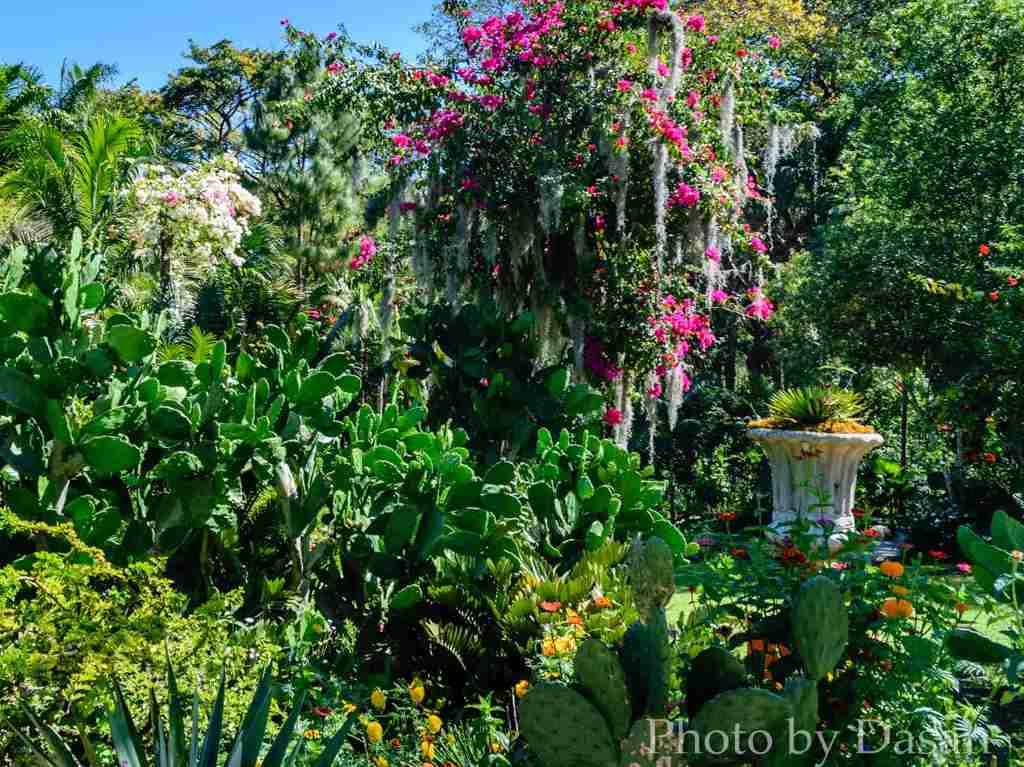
(131, 343)
(110, 455)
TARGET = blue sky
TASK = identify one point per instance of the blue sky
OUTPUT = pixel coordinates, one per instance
(146, 38)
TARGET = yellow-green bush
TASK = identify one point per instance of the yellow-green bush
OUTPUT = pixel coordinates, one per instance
(70, 621)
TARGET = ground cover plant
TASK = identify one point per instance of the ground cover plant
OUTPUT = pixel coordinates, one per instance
(357, 410)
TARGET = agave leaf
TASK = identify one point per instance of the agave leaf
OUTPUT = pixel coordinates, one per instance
(59, 756)
(275, 755)
(126, 739)
(193, 759)
(332, 748)
(250, 736)
(175, 720)
(162, 754)
(211, 742)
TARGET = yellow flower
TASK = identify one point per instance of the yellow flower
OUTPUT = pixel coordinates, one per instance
(417, 692)
(434, 723)
(547, 648)
(311, 734)
(349, 707)
(565, 644)
(521, 688)
(378, 699)
(897, 608)
(374, 732)
(427, 749)
(380, 761)
(495, 748)
(900, 591)
(892, 569)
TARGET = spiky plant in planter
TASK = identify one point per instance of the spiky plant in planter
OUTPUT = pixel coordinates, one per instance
(815, 408)
(814, 440)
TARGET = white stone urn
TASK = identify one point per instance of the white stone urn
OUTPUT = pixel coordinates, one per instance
(814, 478)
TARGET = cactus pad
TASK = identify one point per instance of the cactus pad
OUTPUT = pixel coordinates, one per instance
(651, 575)
(602, 677)
(712, 672)
(636, 749)
(803, 694)
(821, 626)
(564, 729)
(748, 709)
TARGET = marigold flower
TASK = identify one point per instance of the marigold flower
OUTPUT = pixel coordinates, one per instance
(378, 699)
(521, 688)
(427, 749)
(892, 569)
(374, 732)
(897, 608)
(417, 692)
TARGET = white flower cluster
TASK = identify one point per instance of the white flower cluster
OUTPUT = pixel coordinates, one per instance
(204, 213)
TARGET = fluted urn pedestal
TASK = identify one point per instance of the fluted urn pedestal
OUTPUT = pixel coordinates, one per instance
(814, 478)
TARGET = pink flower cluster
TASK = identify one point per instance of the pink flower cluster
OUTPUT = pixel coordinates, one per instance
(684, 196)
(672, 132)
(367, 250)
(499, 41)
(595, 360)
(760, 307)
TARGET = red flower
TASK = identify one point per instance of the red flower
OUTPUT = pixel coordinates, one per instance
(994, 295)
(989, 457)
(1012, 281)
(322, 711)
(936, 554)
(739, 553)
(871, 533)
(983, 249)
(613, 416)
(727, 516)
(551, 607)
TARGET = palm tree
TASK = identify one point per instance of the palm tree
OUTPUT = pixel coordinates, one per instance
(73, 178)
(21, 94)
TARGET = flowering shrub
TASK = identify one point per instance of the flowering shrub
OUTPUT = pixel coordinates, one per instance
(199, 216)
(546, 157)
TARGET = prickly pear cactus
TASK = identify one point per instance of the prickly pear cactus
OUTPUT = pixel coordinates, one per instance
(712, 672)
(651, 575)
(601, 675)
(645, 659)
(803, 694)
(637, 749)
(563, 729)
(821, 626)
(749, 710)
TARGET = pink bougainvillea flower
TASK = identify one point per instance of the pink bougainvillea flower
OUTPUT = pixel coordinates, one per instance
(719, 296)
(695, 22)
(761, 308)
(712, 254)
(758, 244)
(774, 41)
(1012, 281)
(654, 391)
(625, 85)
(613, 416)
(685, 196)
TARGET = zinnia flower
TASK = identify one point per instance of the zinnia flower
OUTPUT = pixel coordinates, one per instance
(964, 568)
(897, 608)
(892, 569)
(550, 607)
(374, 732)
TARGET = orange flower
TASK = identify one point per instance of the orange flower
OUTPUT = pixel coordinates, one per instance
(961, 608)
(551, 607)
(602, 601)
(897, 608)
(983, 249)
(892, 569)
(574, 619)
(900, 591)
